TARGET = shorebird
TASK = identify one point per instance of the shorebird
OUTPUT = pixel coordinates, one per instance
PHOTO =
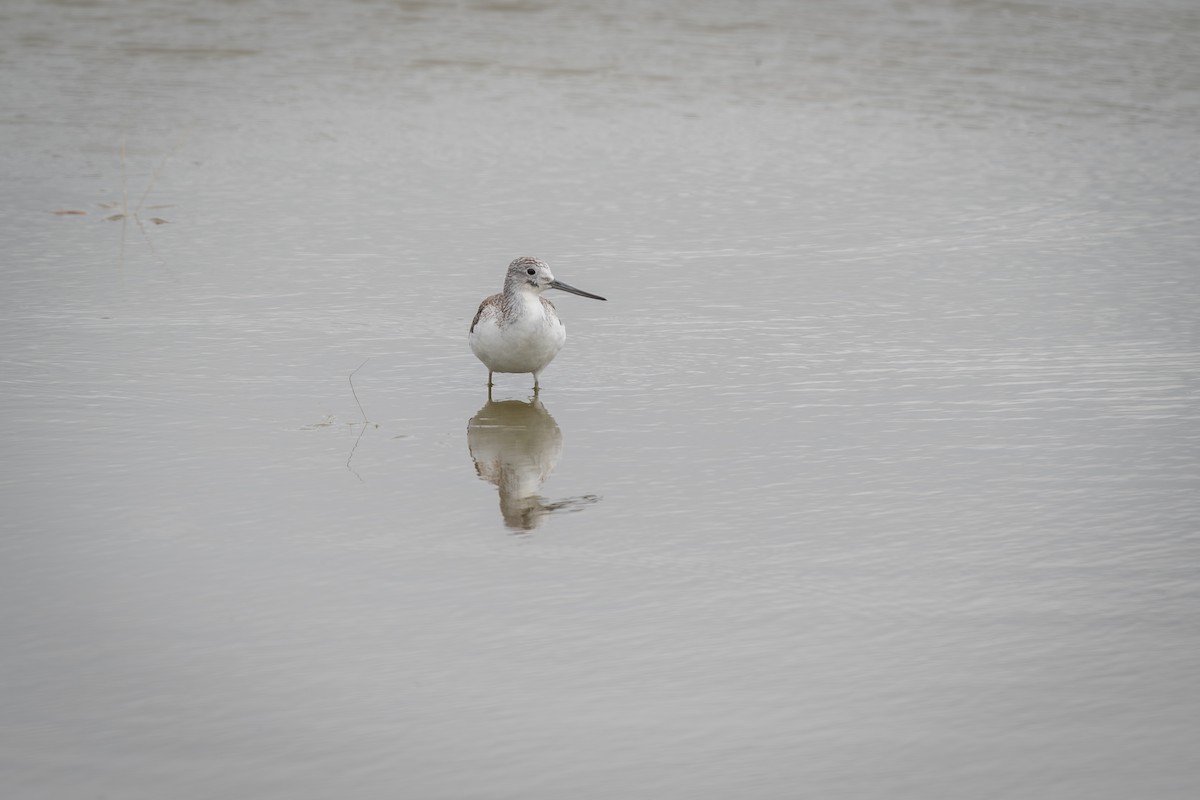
(518, 330)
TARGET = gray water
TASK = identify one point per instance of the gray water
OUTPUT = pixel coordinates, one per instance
(877, 476)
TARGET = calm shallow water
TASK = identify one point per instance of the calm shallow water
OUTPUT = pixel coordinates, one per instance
(876, 475)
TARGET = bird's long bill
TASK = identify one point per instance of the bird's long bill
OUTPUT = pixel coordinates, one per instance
(566, 287)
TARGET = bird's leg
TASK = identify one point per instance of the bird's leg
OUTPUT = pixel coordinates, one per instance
(489, 379)
(536, 388)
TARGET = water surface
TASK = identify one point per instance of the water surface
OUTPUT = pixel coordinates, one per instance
(876, 475)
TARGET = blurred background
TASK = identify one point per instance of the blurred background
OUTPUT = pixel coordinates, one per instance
(876, 476)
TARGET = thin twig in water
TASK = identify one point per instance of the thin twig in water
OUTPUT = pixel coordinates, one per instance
(121, 209)
(365, 423)
(355, 393)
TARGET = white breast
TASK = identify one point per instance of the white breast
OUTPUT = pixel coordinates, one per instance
(526, 340)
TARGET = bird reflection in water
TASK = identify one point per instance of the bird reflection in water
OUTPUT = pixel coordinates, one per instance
(516, 446)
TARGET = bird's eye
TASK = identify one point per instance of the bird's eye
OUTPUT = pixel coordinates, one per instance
(531, 271)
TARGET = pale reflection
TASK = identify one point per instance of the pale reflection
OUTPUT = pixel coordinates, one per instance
(516, 446)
